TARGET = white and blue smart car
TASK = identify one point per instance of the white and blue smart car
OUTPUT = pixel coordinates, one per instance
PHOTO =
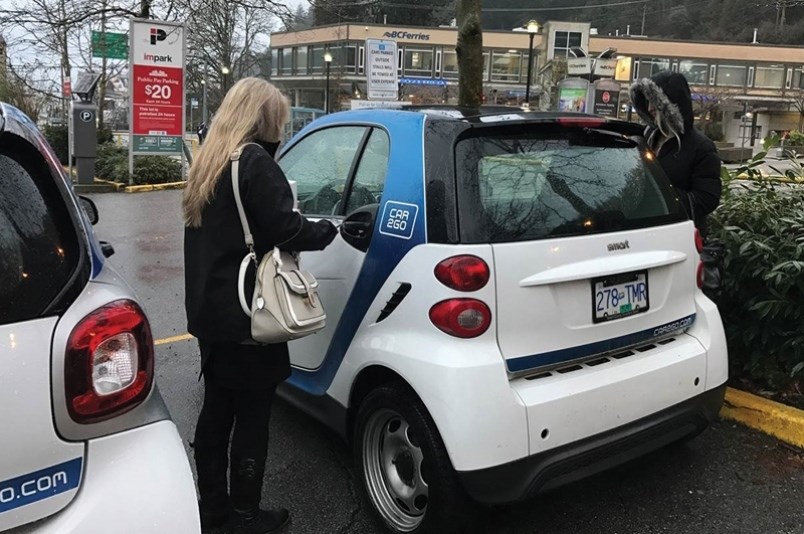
(513, 303)
(86, 442)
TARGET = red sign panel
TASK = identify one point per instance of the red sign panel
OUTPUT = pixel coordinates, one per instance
(158, 96)
(67, 89)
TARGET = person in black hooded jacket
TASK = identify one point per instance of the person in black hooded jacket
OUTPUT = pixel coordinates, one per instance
(688, 158)
(240, 376)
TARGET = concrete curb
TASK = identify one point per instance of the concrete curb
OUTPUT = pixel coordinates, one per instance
(154, 187)
(783, 422)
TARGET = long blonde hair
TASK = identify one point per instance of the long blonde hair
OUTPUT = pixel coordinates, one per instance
(252, 109)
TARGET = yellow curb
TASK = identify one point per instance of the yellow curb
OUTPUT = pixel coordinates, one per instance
(174, 339)
(154, 187)
(783, 422)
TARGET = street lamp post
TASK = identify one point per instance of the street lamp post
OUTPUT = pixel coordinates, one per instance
(204, 82)
(327, 60)
(533, 29)
(225, 71)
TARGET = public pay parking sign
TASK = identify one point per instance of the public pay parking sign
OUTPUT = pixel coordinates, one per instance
(157, 86)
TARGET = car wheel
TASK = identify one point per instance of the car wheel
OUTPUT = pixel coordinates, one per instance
(400, 458)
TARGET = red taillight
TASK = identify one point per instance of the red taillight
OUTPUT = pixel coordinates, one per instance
(699, 275)
(464, 318)
(698, 241)
(463, 273)
(109, 362)
(581, 122)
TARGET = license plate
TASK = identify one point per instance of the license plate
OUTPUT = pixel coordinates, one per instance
(618, 296)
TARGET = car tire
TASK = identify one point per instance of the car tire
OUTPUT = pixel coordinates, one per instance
(408, 480)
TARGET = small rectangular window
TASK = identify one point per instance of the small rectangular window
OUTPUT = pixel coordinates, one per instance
(769, 77)
(418, 62)
(731, 75)
(695, 72)
(506, 66)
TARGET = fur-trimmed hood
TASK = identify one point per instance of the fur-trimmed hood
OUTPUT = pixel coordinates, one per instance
(669, 93)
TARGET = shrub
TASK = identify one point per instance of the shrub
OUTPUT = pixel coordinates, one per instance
(58, 138)
(714, 131)
(762, 303)
(112, 165)
(796, 138)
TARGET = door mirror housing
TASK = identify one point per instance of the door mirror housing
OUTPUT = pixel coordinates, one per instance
(90, 209)
(358, 227)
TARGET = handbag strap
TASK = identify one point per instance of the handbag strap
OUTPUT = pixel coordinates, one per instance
(249, 238)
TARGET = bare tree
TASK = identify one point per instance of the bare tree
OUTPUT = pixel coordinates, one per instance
(470, 53)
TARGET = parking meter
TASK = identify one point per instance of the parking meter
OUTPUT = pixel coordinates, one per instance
(84, 138)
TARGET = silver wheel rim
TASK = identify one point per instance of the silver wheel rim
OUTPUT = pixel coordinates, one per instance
(392, 464)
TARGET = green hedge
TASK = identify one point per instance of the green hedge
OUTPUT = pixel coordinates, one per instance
(761, 224)
(58, 138)
(112, 165)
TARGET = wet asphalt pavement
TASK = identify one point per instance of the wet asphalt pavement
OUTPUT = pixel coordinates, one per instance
(729, 480)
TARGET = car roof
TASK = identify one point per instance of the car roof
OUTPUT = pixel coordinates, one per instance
(488, 115)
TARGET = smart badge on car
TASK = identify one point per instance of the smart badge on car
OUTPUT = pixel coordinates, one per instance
(618, 296)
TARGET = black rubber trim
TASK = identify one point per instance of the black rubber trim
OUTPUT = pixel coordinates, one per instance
(529, 476)
(395, 300)
(321, 407)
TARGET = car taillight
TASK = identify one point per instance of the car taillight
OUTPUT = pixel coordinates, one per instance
(698, 241)
(699, 273)
(463, 273)
(109, 362)
(464, 318)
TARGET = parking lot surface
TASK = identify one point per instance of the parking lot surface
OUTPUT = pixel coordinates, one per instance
(729, 480)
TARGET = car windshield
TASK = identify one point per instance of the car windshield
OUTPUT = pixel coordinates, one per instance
(552, 181)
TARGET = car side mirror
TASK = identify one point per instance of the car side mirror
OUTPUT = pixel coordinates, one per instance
(90, 209)
(358, 227)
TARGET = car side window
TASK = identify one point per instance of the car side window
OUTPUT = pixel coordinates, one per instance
(320, 165)
(38, 243)
(369, 180)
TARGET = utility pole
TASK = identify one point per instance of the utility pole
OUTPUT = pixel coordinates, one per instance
(644, 11)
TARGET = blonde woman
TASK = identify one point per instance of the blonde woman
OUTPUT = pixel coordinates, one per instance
(240, 376)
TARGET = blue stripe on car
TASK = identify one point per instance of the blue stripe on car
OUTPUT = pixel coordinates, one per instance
(524, 363)
(404, 184)
(39, 485)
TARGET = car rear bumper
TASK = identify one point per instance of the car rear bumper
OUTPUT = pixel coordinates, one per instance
(553, 468)
(134, 481)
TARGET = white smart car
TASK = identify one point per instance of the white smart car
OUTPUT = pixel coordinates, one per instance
(512, 305)
(87, 444)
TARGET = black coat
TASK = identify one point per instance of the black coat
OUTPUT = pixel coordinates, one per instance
(213, 252)
(695, 172)
(693, 166)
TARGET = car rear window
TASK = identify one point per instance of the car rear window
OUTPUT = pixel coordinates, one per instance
(39, 247)
(543, 181)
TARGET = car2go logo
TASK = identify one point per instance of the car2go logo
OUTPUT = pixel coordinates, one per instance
(399, 219)
(33, 487)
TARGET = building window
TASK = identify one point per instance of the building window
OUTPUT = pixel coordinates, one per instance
(731, 76)
(287, 61)
(695, 73)
(650, 66)
(769, 77)
(798, 78)
(301, 61)
(564, 41)
(418, 62)
(506, 66)
(344, 58)
(350, 58)
(315, 58)
(449, 65)
(274, 61)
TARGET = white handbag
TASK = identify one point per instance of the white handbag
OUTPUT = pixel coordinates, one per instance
(285, 304)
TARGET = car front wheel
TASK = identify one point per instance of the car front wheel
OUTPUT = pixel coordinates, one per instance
(406, 473)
